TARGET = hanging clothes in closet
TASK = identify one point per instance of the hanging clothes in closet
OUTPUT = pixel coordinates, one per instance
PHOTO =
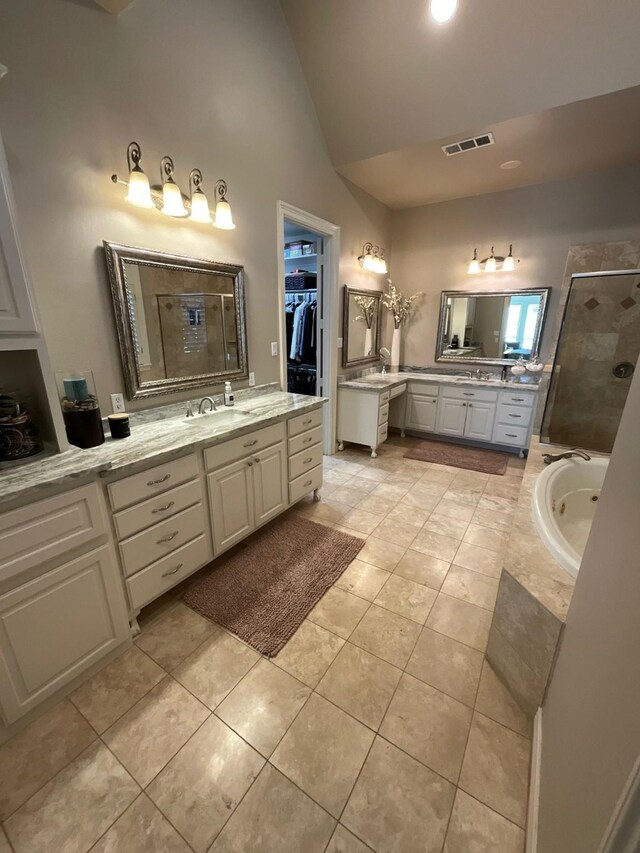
(301, 341)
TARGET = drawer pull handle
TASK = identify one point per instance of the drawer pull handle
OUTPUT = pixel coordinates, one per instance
(308, 439)
(250, 443)
(160, 480)
(518, 399)
(306, 461)
(167, 538)
(307, 422)
(511, 435)
(308, 483)
(173, 571)
(163, 508)
(250, 463)
(468, 394)
(515, 416)
(256, 459)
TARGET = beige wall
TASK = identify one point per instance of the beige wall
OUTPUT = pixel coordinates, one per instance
(432, 245)
(215, 84)
(591, 717)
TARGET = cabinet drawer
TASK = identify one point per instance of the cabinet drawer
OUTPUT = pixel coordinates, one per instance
(504, 434)
(245, 445)
(517, 398)
(301, 423)
(384, 398)
(514, 415)
(483, 395)
(383, 414)
(423, 389)
(305, 439)
(162, 575)
(382, 433)
(140, 486)
(397, 391)
(304, 461)
(152, 544)
(46, 529)
(301, 486)
(142, 515)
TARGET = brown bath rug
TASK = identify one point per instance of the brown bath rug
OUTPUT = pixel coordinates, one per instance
(263, 592)
(459, 456)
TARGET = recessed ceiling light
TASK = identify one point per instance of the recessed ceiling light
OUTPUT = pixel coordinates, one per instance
(511, 164)
(443, 10)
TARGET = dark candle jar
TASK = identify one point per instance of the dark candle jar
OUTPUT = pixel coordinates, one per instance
(80, 409)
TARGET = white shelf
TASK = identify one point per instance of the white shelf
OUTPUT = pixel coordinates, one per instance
(299, 257)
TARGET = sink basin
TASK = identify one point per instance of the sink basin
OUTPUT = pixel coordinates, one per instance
(219, 418)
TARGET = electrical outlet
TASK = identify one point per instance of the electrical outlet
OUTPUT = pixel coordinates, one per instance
(252, 379)
(117, 403)
(274, 348)
(339, 343)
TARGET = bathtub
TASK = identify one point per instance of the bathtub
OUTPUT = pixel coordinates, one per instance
(565, 498)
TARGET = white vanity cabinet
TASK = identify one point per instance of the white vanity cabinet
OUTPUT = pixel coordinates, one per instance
(514, 420)
(467, 412)
(62, 607)
(421, 407)
(363, 417)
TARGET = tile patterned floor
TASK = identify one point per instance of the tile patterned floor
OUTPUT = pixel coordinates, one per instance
(379, 727)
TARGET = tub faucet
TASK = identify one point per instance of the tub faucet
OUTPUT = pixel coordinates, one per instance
(549, 457)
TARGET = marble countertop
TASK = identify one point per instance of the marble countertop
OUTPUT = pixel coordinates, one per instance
(151, 442)
(378, 382)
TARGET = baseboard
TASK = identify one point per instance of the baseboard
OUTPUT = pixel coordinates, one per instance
(531, 840)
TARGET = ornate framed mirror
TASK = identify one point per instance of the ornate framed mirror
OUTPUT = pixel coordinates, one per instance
(361, 327)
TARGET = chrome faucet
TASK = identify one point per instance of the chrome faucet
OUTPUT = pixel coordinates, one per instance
(466, 373)
(550, 457)
(202, 408)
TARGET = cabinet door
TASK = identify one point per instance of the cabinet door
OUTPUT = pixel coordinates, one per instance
(16, 310)
(451, 416)
(479, 423)
(231, 500)
(270, 482)
(56, 626)
(421, 412)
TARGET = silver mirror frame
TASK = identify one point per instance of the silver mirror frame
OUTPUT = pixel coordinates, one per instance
(372, 359)
(543, 292)
(117, 255)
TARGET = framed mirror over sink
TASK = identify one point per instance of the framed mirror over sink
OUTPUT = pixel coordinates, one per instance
(180, 321)
(361, 327)
(491, 327)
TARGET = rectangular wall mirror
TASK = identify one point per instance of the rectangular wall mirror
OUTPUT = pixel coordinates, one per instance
(491, 327)
(361, 327)
(180, 321)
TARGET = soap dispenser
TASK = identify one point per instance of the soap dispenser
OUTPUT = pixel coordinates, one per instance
(228, 394)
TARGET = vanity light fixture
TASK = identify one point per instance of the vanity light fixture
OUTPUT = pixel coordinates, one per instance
(172, 204)
(490, 263)
(223, 218)
(372, 259)
(199, 204)
(139, 192)
(494, 263)
(443, 10)
(474, 264)
(509, 264)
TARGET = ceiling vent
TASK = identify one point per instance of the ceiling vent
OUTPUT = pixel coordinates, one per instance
(468, 144)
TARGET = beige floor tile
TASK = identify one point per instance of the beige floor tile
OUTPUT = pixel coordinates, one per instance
(375, 474)
(339, 611)
(116, 688)
(350, 495)
(334, 478)
(497, 520)
(476, 829)
(437, 475)
(76, 807)
(34, 756)
(418, 499)
(384, 555)
(493, 503)
(429, 725)
(435, 545)
(471, 586)
(151, 733)
(387, 635)
(423, 569)
(485, 537)
(396, 532)
(142, 829)
(274, 817)
(495, 701)
(173, 636)
(361, 520)
(263, 706)
(462, 495)
(478, 560)
(392, 492)
(360, 684)
(496, 768)
(323, 752)
(461, 621)
(503, 487)
(362, 579)
(407, 598)
(376, 505)
(409, 514)
(215, 668)
(401, 477)
(453, 509)
(447, 665)
(428, 488)
(343, 841)
(309, 653)
(201, 786)
(398, 805)
(446, 525)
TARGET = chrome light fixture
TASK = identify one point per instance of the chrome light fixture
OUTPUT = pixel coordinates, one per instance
(199, 204)
(372, 259)
(494, 263)
(474, 265)
(139, 191)
(223, 218)
(172, 204)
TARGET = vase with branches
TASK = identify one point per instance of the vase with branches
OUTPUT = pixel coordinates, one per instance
(401, 307)
(368, 305)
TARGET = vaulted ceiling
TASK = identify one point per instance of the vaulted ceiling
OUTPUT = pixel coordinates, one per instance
(390, 86)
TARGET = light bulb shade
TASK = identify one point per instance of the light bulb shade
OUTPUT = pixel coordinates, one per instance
(509, 264)
(139, 192)
(490, 265)
(443, 10)
(223, 217)
(369, 262)
(172, 203)
(474, 267)
(200, 207)
(381, 266)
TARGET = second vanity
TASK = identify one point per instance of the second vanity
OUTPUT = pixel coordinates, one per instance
(479, 410)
